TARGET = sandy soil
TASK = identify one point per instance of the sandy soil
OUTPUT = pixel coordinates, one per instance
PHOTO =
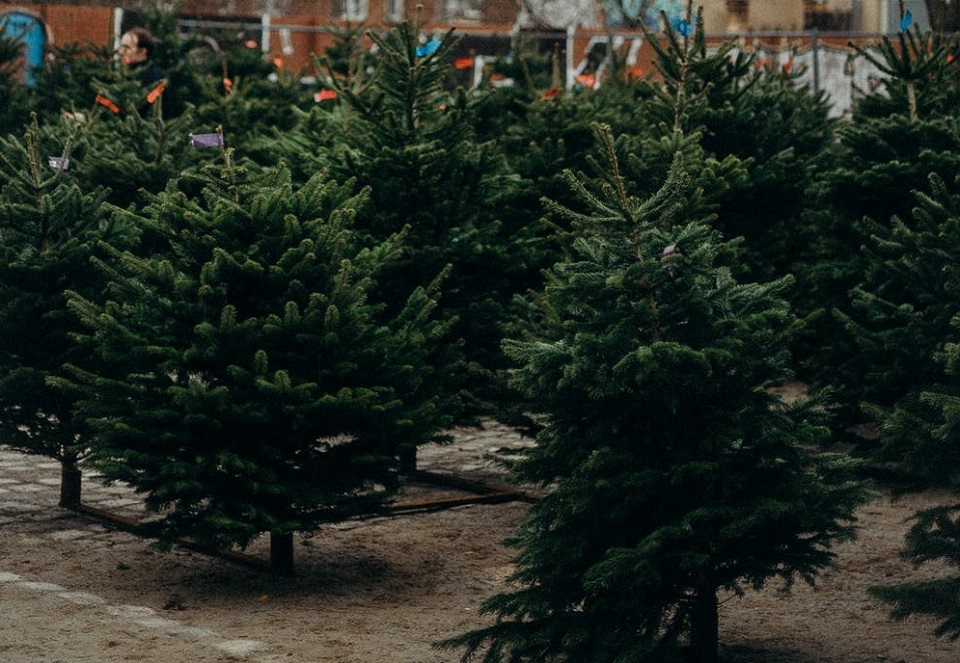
(74, 589)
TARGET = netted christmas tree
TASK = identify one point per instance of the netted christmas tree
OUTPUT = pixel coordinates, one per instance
(674, 472)
(49, 229)
(251, 381)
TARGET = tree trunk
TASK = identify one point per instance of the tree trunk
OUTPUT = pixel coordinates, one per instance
(70, 476)
(281, 553)
(705, 626)
(407, 455)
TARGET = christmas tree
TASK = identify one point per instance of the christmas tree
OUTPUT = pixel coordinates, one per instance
(918, 68)
(404, 131)
(131, 154)
(863, 216)
(935, 534)
(900, 314)
(15, 97)
(674, 473)
(778, 129)
(49, 229)
(70, 78)
(251, 381)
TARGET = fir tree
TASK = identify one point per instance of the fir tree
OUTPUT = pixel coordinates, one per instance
(405, 132)
(900, 314)
(49, 228)
(674, 473)
(67, 81)
(880, 161)
(935, 534)
(130, 155)
(918, 73)
(779, 130)
(250, 381)
(541, 133)
(12, 89)
(251, 110)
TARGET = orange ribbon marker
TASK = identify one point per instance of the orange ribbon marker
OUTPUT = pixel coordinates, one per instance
(155, 93)
(106, 103)
(587, 80)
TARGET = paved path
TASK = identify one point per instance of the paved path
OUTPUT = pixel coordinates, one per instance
(29, 491)
(30, 520)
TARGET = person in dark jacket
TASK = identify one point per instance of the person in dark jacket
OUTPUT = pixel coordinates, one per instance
(136, 53)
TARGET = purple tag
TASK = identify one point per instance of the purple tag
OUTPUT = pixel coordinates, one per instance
(207, 140)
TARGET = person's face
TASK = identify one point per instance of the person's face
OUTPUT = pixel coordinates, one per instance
(130, 50)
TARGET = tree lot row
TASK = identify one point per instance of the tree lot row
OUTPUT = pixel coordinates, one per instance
(258, 337)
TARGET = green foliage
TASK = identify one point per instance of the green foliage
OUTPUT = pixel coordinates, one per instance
(71, 78)
(918, 72)
(889, 293)
(777, 129)
(934, 536)
(532, 70)
(131, 154)
(347, 60)
(900, 314)
(674, 472)
(866, 201)
(15, 95)
(405, 132)
(278, 340)
(540, 139)
(252, 111)
(251, 381)
(864, 279)
(49, 229)
(923, 432)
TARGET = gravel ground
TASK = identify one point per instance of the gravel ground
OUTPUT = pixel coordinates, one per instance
(76, 589)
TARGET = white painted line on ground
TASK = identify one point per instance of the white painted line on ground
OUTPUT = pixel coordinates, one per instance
(82, 598)
(41, 586)
(239, 648)
(69, 534)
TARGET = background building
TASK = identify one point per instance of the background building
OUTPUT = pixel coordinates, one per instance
(289, 31)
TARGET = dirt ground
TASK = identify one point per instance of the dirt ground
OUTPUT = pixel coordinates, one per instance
(74, 589)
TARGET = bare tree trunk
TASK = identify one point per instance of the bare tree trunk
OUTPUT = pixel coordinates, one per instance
(407, 456)
(70, 484)
(281, 553)
(912, 100)
(705, 626)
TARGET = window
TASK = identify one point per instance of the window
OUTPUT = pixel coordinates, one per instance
(393, 10)
(460, 10)
(354, 10)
